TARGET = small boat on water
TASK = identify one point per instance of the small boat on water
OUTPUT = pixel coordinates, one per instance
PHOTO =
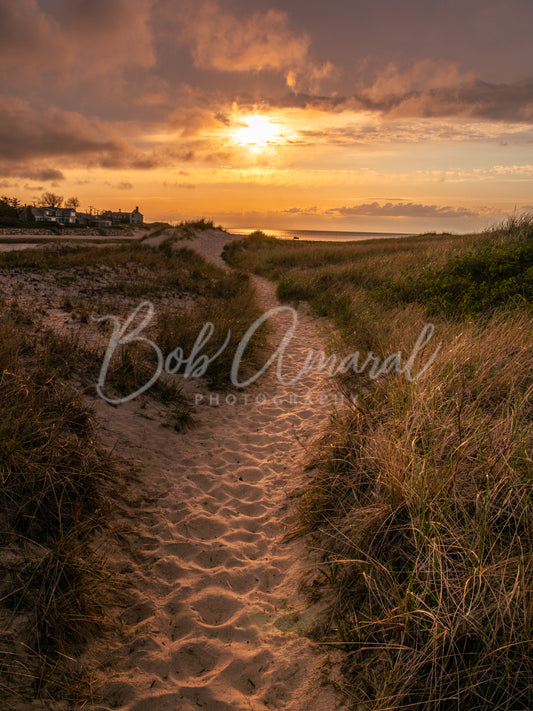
(295, 237)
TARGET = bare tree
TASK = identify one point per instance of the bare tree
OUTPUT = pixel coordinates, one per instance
(72, 202)
(51, 200)
(12, 202)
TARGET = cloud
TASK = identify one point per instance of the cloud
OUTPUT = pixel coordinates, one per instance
(124, 185)
(405, 209)
(25, 29)
(301, 211)
(31, 140)
(30, 171)
(422, 76)
(114, 33)
(192, 120)
(27, 133)
(512, 170)
(492, 102)
(372, 128)
(75, 39)
(395, 98)
(261, 41)
(47, 174)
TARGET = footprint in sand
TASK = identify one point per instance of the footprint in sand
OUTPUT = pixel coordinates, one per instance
(211, 631)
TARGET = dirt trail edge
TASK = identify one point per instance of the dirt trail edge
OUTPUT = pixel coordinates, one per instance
(217, 621)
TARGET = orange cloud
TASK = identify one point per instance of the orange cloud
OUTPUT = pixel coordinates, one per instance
(261, 41)
(422, 76)
(78, 41)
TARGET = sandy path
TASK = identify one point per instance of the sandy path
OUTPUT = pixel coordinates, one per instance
(209, 243)
(217, 621)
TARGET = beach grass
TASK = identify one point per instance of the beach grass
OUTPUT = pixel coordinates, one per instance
(421, 507)
(187, 292)
(58, 485)
(57, 488)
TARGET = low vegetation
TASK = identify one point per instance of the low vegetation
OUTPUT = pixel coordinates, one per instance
(186, 291)
(421, 510)
(58, 486)
(56, 490)
(201, 224)
(492, 274)
(185, 230)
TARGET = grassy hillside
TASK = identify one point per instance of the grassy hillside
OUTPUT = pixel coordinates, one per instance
(421, 511)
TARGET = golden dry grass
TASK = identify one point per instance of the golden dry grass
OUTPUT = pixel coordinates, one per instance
(421, 509)
(58, 486)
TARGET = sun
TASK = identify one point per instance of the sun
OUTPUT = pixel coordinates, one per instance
(257, 132)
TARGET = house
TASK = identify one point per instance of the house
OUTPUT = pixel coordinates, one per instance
(136, 217)
(66, 215)
(117, 218)
(57, 215)
(120, 218)
(69, 216)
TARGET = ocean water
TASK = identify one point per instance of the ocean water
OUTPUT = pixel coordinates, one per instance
(322, 235)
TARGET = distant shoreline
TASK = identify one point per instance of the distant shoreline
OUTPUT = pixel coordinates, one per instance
(321, 235)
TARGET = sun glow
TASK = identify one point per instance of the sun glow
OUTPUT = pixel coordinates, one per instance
(257, 132)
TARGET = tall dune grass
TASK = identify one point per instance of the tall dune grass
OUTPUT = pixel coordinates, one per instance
(56, 488)
(421, 509)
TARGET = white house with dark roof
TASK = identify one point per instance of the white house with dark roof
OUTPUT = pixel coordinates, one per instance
(57, 215)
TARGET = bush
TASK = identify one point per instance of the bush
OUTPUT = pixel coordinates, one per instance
(498, 272)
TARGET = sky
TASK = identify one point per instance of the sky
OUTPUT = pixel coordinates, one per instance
(380, 115)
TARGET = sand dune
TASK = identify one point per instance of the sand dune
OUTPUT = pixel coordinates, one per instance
(217, 622)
